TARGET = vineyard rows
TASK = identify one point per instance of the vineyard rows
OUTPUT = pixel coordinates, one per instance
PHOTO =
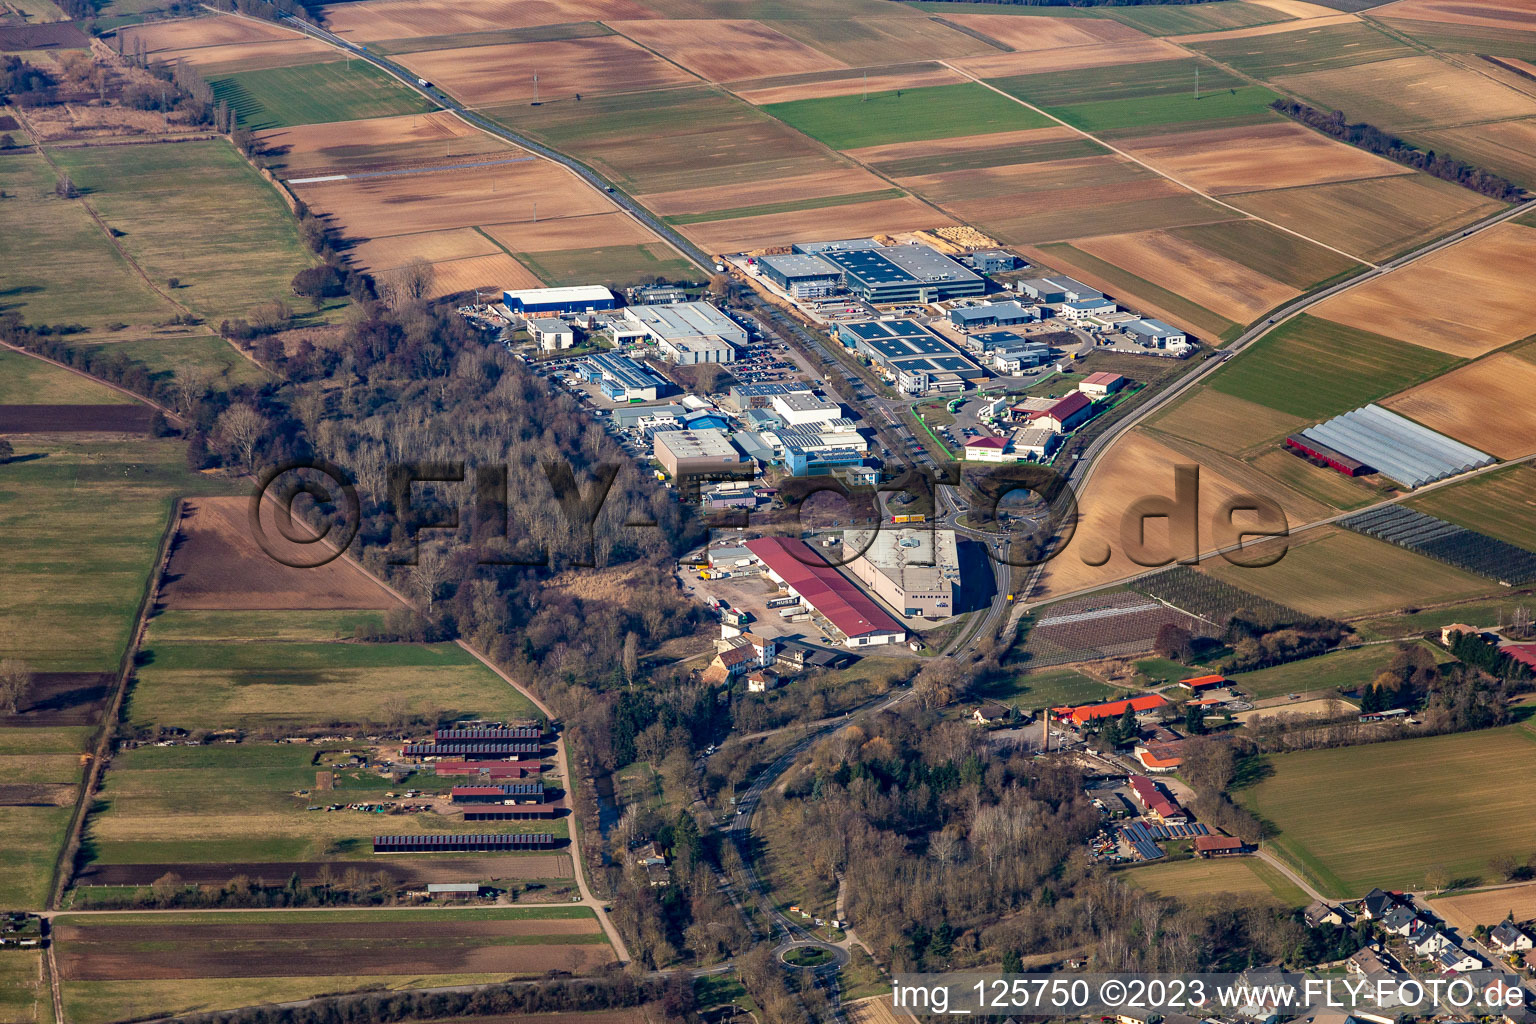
(1213, 599)
(1446, 542)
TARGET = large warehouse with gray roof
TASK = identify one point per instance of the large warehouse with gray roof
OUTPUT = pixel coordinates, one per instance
(1372, 437)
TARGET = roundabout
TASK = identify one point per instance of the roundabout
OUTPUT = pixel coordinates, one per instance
(810, 955)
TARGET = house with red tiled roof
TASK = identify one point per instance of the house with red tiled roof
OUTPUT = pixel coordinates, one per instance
(1085, 713)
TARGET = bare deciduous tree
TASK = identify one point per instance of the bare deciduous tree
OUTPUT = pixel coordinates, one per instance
(238, 430)
(429, 574)
(15, 680)
(409, 285)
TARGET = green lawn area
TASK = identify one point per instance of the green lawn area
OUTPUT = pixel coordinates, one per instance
(165, 356)
(82, 526)
(1317, 369)
(273, 684)
(1384, 814)
(1244, 104)
(905, 115)
(34, 834)
(1306, 49)
(181, 625)
(1048, 688)
(152, 193)
(341, 90)
(57, 265)
(28, 381)
(258, 812)
(1207, 883)
(613, 264)
(1496, 503)
(1342, 670)
(24, 997)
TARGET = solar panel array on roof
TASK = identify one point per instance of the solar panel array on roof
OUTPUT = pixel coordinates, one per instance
(1140, 839)
(1176, 830)
(1447, 542)
(504, 732)
(509, 749)
(439, 842)
(1411, 454)
(518, 812)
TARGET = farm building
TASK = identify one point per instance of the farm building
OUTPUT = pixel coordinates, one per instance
(898, 273)
(1154, 801)
(993, 314)
(498, 749)
(804, 409)
(696, 451)
(1326, 455)
(503, 793)
(1058, 289)
(802, 276)
(1200, 684)
(621, 379)
(1082, 714)
(1150, 333)
(1220, 846)
(794, 565)
(689, 333)
(917, 572)
(1159, 758)
(461, 734)
(460, 890)
(516, 812)
(441, 842)
(489, 769)
(1098, 385)
(580, 299)
(1411, 454)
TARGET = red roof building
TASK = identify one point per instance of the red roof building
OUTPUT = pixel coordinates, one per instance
(1219, 846)
(1084, 713)
(1067, 414)
(795, 565)
(1525, 654)
(490, 769)
(987, 442)
(1151, 798)
(1203, 683)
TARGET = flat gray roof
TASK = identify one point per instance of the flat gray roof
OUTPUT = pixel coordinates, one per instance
(1411, 454)
(800, 265)
(684, 320)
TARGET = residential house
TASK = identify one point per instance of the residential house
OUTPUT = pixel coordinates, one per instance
(1370, 964)
(1319, 913)
(991, 712)
(1429, 942)
(1402, 921)
(1506, 938)
(760, 681)
(1377, 903)
(1455, 960)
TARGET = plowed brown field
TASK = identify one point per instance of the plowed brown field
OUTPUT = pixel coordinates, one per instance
(784, 88)
(1029, 33)
(726, 50)
(166, 40)
(218, 564)
(406, 19)
(1223, 286)
(836, 181)
(571, 233)
(1072, 58)
(1486, 404)
(1512, 14)
(568, 67)
(880, 216)
(380, 143)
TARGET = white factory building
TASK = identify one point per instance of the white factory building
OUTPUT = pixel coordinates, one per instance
(689, 333)
(915, 571)
(803, 409)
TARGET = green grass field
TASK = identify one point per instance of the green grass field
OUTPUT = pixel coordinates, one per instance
(28, 381)
(151, 193)
(995, 156)
(1316, 368)
(315, 94)
(184, 626)
(1306, 49)
(257, 812)
(1384, 814)
(165, 356)
(1246, 104)
(252, 685)
(24, 997)
(905, 115)
(1207, 883)
(1477, 613)
(1059, 90)
(1048, 688)
(1496, 503)
(1341, 670)
(1348, 575)
(53, 249)
(34, 834)
(614, 264)
(1271, 252)
(82, 525)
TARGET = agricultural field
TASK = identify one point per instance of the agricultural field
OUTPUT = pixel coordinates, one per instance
(1504, 147)
(28, 381)
(1410, 92)
(1211, 599)
(219, 40)
(863, 42)
(1483, 404)
(410, 19)
(1468, 910)
(264, 819)
(51, 243)
(617, 264)
(117, 966)
(272, 686)
(1304, 48)
(1269, 251)
(1373, 218)
(1113, 624)
(567, 69)
(836, 186)
(340, 90)
(40, 775)
(1336, 670)
(1280, 369)
(83, 525)
(727, 49)
(906, 115)
(1459, 546)
(1048, 688)
(1409, 304)
(1271, 155)
(150, 193)
(814, 222)
(218, 564)
(1161, 20)
(24, 995)
(164, 356)
(1071, 58)
(1334, 572)
(852, 82)
(381, 143)
(1209, 883)
(181, 625)
(1388, 819)
(1500, 503)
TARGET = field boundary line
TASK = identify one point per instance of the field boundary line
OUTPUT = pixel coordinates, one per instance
(1244, 214)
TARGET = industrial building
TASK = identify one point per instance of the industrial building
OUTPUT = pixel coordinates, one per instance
(991, 449)
(742, 397)
(1150, 333)
(1058, 289)
(801, 276)
(991, 261)
(796, 567)
(1082, 309)
(499, 749)
(696, 452)
(581, 299)
(803, 409)
(449, 842)
(920, 360)
(621, 379)
(993, 314)
(551, 333)
(689, 333)
(1101, 384)
(1411, 454)
(915, 571)
(1064, 414)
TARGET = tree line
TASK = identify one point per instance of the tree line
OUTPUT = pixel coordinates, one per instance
(1373, 140)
